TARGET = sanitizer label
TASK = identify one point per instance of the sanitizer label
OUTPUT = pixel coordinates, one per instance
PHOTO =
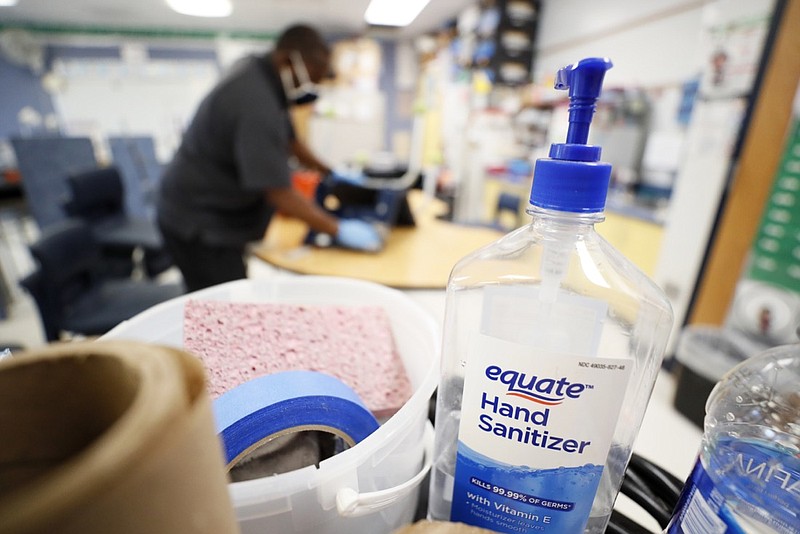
(535, 431)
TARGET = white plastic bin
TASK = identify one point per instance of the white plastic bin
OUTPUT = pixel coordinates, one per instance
(371, 488)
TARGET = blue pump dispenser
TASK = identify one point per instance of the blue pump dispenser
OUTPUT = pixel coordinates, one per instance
(573, 178)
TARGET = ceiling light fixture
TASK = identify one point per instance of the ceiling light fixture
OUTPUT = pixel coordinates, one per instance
(201, 8)
(8, 3)
(393, 12)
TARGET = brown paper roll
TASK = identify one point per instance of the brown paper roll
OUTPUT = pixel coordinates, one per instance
(101, 437)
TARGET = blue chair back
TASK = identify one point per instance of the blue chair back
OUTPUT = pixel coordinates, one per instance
(135, 157)
(44, 164)
(95, 194)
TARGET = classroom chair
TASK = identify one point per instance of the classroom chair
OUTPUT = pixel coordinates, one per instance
(97, 197)
(507, 203)
(72, 291)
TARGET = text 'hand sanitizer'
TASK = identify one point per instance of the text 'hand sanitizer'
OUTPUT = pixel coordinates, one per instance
(552, 344)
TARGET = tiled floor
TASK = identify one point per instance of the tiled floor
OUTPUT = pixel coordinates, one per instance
(22, 327)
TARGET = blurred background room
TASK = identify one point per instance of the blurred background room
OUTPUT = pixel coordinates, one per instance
(699, 117)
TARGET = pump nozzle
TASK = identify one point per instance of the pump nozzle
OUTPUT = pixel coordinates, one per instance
(573, 178)
(584, 81)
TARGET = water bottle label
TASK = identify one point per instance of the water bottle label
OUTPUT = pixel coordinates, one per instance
(757, 489)
(536, 428)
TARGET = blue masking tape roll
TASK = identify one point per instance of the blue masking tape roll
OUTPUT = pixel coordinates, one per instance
(262, 409)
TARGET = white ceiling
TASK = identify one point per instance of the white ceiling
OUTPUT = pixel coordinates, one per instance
(262, 16)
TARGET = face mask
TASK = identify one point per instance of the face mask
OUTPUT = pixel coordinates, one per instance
(304, 93)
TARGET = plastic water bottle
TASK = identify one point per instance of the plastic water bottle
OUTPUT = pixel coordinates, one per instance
(747, 475)
(552, 343)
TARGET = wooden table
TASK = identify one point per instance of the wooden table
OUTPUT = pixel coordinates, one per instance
(418, 257)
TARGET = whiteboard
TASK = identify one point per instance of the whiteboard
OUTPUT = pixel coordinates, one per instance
(104, 97)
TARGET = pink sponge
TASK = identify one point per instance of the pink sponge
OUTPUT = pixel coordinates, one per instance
(241, 341)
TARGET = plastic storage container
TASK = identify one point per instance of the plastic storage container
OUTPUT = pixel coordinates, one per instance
(747, 476)
(371, 488)
(551, 348)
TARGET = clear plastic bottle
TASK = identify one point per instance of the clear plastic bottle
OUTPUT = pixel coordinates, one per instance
(552, 343)
(747, 475)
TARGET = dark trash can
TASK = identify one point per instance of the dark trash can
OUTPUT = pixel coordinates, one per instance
(704, 354)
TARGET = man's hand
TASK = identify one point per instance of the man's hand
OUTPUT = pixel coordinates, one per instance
(358, 235)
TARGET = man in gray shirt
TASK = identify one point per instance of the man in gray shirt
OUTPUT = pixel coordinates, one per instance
(231, 172)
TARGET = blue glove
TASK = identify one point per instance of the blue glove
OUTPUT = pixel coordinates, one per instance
(358, 235)
(349, 176)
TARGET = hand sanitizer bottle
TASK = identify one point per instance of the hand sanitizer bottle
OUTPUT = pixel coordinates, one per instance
(552, 343)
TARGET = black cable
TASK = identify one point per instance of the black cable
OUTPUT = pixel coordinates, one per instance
(622, 524)
(635, 477)
(661, 482)
(638, 492)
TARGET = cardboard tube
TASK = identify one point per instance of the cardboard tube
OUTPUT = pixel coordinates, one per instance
(101, 437)
(440, 527)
